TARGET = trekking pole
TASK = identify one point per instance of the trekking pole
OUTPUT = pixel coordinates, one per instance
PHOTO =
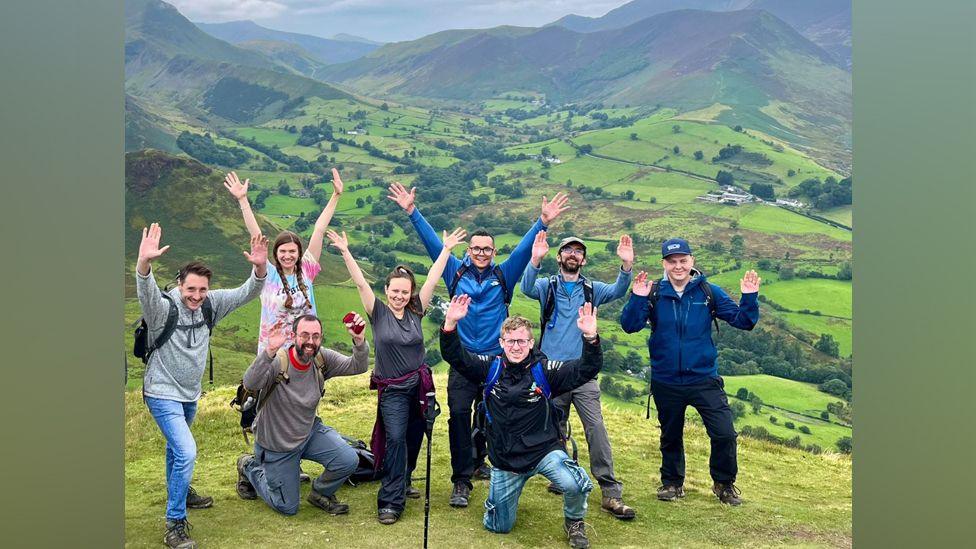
(433, 410)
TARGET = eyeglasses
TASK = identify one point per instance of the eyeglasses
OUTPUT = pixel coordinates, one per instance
(308, 337)
(481, 251)
(516, 342)
(573, 251)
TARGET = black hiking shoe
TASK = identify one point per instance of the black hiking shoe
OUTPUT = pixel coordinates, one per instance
(412, 493)
(244, 487)
(670, 492)
(576, 532)
(483, 472)
(178, 534)
(303, 477)
(616, 507)
(329, 504)
(727, 493)
(460, 495)
(387, 516)
(196, 501)
(553, 489)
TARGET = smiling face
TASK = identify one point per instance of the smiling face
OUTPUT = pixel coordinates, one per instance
(678, 267)
(193, 290)
(481, 249)
(398, 292)
(517, 344)
(308, 339)
(571, 258)
(286, 255)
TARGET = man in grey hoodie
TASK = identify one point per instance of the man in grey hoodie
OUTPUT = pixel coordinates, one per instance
(172, 382)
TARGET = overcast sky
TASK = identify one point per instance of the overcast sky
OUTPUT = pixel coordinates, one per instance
(388, 20)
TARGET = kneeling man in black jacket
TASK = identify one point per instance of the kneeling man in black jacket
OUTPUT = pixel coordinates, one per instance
(522, 424)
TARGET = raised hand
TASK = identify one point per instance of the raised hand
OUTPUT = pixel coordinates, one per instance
(259, 251)
(642, 286)
(625, 251)
(540, 247)
(551, 210)
(587, 320)
(237, 189)
(276, 338)
(149, 247)
(455, 238)
(403, 198)
(750, 283)
(336, 181)
(457, 310)
(356, 329)
(341, 243)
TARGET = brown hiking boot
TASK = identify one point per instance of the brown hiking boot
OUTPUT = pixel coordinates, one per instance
(412, 493)
(460, 494)
(576, 532)
(244, 487)
(329, 504)
(178, 534)
(670, 492)
(727, 493)
(616, 507)
(196, 501)
(387, 516)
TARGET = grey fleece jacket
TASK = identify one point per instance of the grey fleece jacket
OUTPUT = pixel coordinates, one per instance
(175, 370)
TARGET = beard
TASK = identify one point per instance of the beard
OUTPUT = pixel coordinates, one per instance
(570, 266)
(307, 351)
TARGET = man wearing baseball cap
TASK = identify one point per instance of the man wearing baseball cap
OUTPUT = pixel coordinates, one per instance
(680, 309)
(561, 297)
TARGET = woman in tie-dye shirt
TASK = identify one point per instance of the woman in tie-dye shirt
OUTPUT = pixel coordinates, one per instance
(288, 291)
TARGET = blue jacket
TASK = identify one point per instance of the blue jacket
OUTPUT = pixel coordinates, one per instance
(681, 348)
(481, 328)
(563, 340)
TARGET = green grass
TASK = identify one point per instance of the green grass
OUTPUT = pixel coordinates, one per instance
(791, 496)
(830, 297)
(797, 396)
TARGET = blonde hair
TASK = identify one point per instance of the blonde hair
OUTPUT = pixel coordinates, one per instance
(513, 323)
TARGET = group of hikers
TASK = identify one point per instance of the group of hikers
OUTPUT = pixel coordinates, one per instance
(522, 386)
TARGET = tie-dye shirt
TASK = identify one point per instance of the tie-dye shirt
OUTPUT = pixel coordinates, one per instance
(273, 299)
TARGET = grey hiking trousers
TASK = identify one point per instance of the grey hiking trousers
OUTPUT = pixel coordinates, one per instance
(586, 399)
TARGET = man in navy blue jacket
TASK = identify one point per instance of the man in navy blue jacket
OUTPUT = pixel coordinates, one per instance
(490, 287)
(684, 370)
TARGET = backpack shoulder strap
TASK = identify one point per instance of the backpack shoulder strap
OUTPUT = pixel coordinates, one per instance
(652, 303)
(549, 306)
(208, 313)
(587, 289)
(494, 373)
(501, 280)
(172, 317)
(457, 278)
(710, 302)
(282, 375)
(539, 375)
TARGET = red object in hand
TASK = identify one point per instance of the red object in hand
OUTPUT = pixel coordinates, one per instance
(349, 318)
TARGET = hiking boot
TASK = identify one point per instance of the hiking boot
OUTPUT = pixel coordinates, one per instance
(196, 501)
(460, 495)
(553, 489)
(483, 472)
(616, 507)
(727, 493)
(329, 504)
(387, 516)
(244, 487)
(670, 492)
(178, 534)
(303, 477)
(576, 532)
(413, 493)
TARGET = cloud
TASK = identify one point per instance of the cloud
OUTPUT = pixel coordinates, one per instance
(216, 11)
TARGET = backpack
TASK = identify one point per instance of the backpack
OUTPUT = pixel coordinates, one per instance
(550, 304)
(498, 274)
(141, 347)
(652, 320)
(249, 402)
(366, 470)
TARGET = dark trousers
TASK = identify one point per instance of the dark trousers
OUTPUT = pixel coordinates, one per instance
(709, 399)
(404, 425)
(462, 395)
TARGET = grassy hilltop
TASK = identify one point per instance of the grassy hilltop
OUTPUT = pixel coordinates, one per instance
(792, 497)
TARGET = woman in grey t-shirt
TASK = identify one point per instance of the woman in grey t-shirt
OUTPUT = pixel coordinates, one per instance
(398, 341)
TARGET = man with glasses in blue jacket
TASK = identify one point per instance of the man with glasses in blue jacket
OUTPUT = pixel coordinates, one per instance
(490, 287)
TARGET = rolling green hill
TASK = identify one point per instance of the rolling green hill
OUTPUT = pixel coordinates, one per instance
(322, 50)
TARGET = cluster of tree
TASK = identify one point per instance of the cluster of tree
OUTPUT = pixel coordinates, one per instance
(623, 391)
(843, 410)
(736, 151)
(203, 148)
(443, 192)
(745, 395)
(825, 195)
(724, 178)
(836, 387)
(313, 134)
(482, 150)
(763, 190)
(789, 271)
(522, 114)
(294, 163)
(761, 433)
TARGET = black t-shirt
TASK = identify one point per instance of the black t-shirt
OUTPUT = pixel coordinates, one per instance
(398, 343)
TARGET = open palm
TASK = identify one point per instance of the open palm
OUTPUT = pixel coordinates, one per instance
(587, 320)
(149, 247)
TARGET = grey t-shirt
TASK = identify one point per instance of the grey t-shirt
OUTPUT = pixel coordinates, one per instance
(398, 344)
(286, 419)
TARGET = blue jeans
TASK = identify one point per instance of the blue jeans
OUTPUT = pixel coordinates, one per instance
(506, 487)
(174, 419)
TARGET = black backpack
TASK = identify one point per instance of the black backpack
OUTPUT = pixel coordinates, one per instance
(498, 274)
(143, 350)
(366, 470)
(652, 319)
(550, 306)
